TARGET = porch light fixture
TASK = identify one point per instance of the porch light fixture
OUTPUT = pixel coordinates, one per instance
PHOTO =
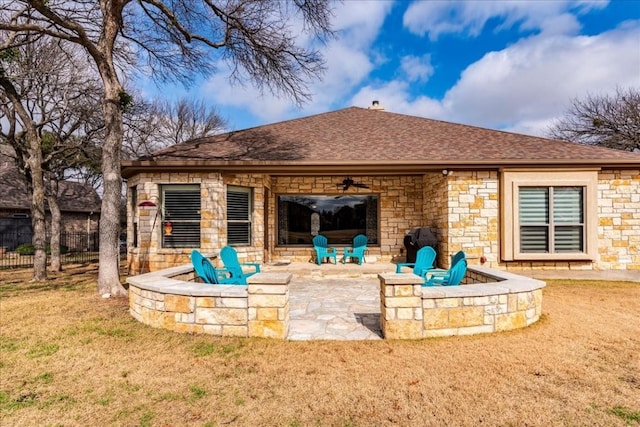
(446, 172)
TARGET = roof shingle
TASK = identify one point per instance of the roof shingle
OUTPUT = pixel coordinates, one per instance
(359, 134)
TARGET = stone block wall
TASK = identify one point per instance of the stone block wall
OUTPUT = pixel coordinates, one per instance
(400, 209)
(618, 230)
(261, 309)
(489, 301)
(468, 315)
(462, 207)
(224, 314)
(619, 220)
(473, 215)
(400, 302)
(150, 256)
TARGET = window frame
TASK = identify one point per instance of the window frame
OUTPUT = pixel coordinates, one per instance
(249, 221)
(332, 195)
(513, 180)
(165, 215)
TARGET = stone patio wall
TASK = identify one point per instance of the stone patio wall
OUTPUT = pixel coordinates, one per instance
(491, 301)
(170, 299)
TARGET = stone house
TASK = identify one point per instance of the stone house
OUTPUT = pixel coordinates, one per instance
(79, 205)
(510, 201)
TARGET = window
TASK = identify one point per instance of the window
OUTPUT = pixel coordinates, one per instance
(551, 219)
(180, 216)
(549, 215)
(338, 218)
(238, 216)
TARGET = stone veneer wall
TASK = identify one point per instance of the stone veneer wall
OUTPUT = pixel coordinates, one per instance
(150, 256)
(461, 207)
(464, 208)
(618, 227)
(170, 299)
(619, 220)
(400, 201)
(490, 302)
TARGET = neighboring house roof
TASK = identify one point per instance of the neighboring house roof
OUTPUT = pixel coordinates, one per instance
(360, 136)
(74, 196)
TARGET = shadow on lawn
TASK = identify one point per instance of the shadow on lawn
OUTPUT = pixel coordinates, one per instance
(17, 282)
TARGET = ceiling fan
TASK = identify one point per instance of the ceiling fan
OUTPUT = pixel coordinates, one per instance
(348, 182)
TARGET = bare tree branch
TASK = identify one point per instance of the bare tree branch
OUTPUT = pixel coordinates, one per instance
(608, 121)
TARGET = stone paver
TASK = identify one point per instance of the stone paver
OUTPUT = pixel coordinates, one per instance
(342, 302)
(334, 309)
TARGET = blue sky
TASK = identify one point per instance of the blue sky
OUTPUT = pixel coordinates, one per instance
(509, 65)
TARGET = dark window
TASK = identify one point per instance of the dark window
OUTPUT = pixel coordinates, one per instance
(338, 218)
(180, 216)
(238, 216)
(551, 219)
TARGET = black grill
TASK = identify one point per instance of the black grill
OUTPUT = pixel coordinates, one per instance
(417, 238)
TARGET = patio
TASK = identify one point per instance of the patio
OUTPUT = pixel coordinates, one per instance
(306, 301)
(334, 301)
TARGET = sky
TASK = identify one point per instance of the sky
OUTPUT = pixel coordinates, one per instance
(508, 65)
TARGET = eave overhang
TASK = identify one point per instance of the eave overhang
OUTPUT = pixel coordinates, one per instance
(382, 167)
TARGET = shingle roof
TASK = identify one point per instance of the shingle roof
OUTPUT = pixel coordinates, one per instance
(360, 135)
(74, 196)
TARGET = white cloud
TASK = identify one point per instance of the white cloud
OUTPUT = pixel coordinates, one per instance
(470, 17)
(394, 96)
(348, 63)
(417, 68)
(535, 80)
(526, 86)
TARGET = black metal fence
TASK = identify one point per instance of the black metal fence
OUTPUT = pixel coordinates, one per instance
(76, 248)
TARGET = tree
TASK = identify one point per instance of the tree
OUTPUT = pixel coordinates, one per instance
(47, 97)
(608, 121)
(175, 39)
(25, 136)
(151, 126)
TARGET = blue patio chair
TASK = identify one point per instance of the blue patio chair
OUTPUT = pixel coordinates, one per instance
(207, 272)
(460, 255)
(452, 277)
(229, 258)
(323, 250)
(425, 257)
(357, 250)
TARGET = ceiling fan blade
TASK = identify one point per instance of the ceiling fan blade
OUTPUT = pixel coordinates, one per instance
(360, 185)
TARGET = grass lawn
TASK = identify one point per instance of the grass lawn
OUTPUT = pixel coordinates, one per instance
(70, 358)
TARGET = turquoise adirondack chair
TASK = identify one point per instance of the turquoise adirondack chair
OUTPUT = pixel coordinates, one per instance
(460, 255)
(207, 272)
(357, 250)
(452, 277)
(323, 250)
(425, 257)
(229, 258)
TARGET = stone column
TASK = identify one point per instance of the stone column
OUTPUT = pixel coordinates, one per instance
(401, 306)
(269, 305)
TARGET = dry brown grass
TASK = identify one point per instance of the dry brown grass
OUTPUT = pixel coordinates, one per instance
(70, 358)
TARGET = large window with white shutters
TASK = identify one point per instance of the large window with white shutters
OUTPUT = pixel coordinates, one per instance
(549, 215)
(180, 219)
(239, 215)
